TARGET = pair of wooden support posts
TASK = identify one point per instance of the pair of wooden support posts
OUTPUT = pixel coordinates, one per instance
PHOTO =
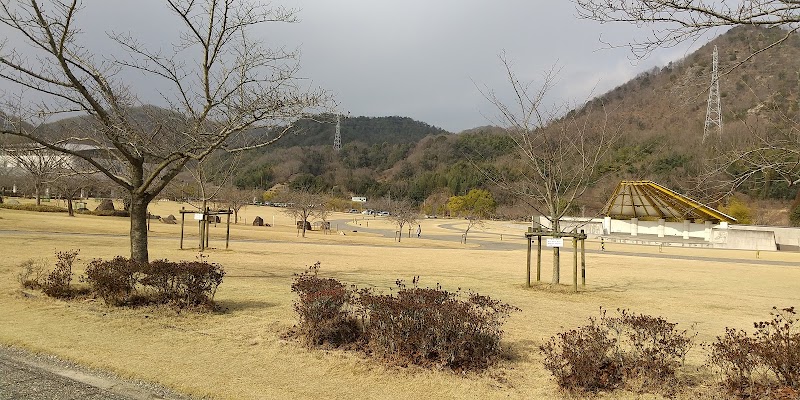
(576, 237)
(203, 220)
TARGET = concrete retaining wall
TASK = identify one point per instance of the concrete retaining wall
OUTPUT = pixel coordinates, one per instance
(735, 238)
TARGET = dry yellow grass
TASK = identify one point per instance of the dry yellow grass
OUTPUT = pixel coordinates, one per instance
(240, 354)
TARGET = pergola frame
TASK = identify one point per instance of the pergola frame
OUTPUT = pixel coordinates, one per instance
(649, 200)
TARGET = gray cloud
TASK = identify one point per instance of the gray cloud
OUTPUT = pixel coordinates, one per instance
(418, 58)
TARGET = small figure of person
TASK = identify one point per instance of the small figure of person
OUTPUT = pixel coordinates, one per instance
(602, 244)
(419, 230)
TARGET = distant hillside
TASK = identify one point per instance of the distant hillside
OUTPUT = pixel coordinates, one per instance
(661, 115)
(366, 130)
(663, 110)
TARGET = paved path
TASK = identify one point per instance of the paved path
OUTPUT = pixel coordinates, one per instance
(517, 242)
(32, 377)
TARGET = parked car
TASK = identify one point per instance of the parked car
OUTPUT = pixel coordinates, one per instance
(368, 212)
(352, 211)
(383, 214)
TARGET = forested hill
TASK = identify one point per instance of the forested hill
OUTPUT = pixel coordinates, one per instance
(661, 112)
(367, 130)
(660, 115)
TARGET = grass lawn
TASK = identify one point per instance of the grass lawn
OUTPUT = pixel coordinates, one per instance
(240, 353)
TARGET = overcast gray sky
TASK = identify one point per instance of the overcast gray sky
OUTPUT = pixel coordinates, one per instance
(419, 58)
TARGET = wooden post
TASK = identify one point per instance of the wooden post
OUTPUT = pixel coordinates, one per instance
(148, 221)
(200, 233)
(575, 263)
(183, 219)
(530, 239)
(539, 257)
(583, 258)
(228, 230)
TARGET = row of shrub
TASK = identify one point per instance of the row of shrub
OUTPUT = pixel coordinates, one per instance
(121, 281)
(611, 352)
(430, 327)
(33, 207)
(57, 209)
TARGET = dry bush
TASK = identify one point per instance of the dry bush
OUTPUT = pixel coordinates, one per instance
(121, 281)
(113, 280)
(57, 282)
(432, 327)
(583, 358)
(764, 364)
(613, 351)
(429, 327)
(183, 284)
(325, 309)
(32, 273)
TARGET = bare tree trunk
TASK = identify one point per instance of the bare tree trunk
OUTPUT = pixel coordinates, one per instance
(556, 254)
(204, 221)
(70, 210)
(138, 215)
(37, 188)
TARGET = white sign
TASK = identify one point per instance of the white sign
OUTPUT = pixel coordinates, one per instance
(555, 242)
(359, 199)
(200, 216)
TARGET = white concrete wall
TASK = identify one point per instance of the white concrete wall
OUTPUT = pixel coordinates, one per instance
(787, 238)
(743, 239)
(747, 237)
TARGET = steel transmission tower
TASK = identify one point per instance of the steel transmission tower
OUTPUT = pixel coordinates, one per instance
(337, 140)
(714, 110)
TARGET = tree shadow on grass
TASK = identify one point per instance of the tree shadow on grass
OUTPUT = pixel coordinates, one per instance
(232, 306)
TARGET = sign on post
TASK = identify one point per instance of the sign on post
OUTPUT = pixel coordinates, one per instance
(198, 216)
(555, 242)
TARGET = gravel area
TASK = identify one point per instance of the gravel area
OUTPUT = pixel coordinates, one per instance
(24, 375)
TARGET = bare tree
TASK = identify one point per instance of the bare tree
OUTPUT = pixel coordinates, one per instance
(70, 183)
(235, 199)
(214, 102)
(402, 213)
(557, 156)
(678, 21)
(211, 175)
(302, 204)
(40, 164)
